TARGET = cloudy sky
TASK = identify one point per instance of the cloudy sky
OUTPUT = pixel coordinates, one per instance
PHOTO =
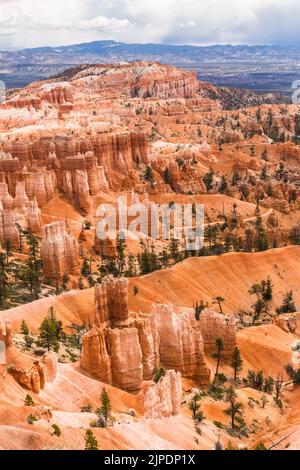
(30, 23)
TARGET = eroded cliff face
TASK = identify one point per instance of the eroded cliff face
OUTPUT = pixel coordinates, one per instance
(36, 373)
(215, 325)
(29, 372)
(6, 333)
(163, 399)
(181, 343)
(119, 349)
(124, 348)
(59, 251)
(17, 210)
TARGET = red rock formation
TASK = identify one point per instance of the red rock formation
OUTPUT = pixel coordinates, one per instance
(149, 343)
(181, 345)
(214, 325)
(119, 349)
(35, 375)
(8, 229)
(126, 358)
(59, 251)
(94, 356)
(6, 333)
(163, 399)
(111, 302)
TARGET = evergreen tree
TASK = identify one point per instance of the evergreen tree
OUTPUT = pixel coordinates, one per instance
(167, 177)
(174, 249)
(223, 186)
(236, 362)
(85, 270)
(288, 304)
(235, 408)
(51, 331)
(8, 249)
(149, 175)
(235, 178)
(219, 300)
(194, 405)
(199, 309)
(24, 328)
(264, 155)
(33, 271)
(219, 348)
(28, 401)
(121, 257)
(91, 442)
(261, 238)
(3, 280)
(267, 290)
(208, 180)
(264, 173)
(105, 408)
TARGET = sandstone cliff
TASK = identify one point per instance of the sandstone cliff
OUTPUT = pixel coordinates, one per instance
(163, 399)
(59, 251)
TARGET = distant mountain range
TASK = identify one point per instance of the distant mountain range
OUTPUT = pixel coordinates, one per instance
(220, 64)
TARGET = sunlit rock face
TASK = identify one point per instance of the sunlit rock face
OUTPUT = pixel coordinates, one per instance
(59, 251)
(163, 399)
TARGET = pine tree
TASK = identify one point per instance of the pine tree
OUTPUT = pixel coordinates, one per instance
(288, 304)
(33, 271)
(121, 258)
(167, 177)
(236, 362)
(24, 328)
(235, 408)
(91, 442)
(51, 331)
(199, 309)
(131, 268)
(85, 270)
(223, 186)
(8, 249)
(149, 175)
(220, 348)
(264, 155)
(267, 290)
(194, 405)
(28, 401)
(219, 300)
(174, 249)
(105, 408)
(3, 280)
(208, 180)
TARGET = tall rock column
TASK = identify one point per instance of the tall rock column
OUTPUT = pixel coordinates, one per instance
(215, 325)
(163, 399)
(126, 359)
(181, 343)
(59, 251)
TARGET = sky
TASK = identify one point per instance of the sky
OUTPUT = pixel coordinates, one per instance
(32, 23)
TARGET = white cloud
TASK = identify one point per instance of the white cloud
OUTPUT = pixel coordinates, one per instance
(26, 23)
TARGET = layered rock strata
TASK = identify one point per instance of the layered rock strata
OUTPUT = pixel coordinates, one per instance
(181, 343)
(163, 399)
(59, 251)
